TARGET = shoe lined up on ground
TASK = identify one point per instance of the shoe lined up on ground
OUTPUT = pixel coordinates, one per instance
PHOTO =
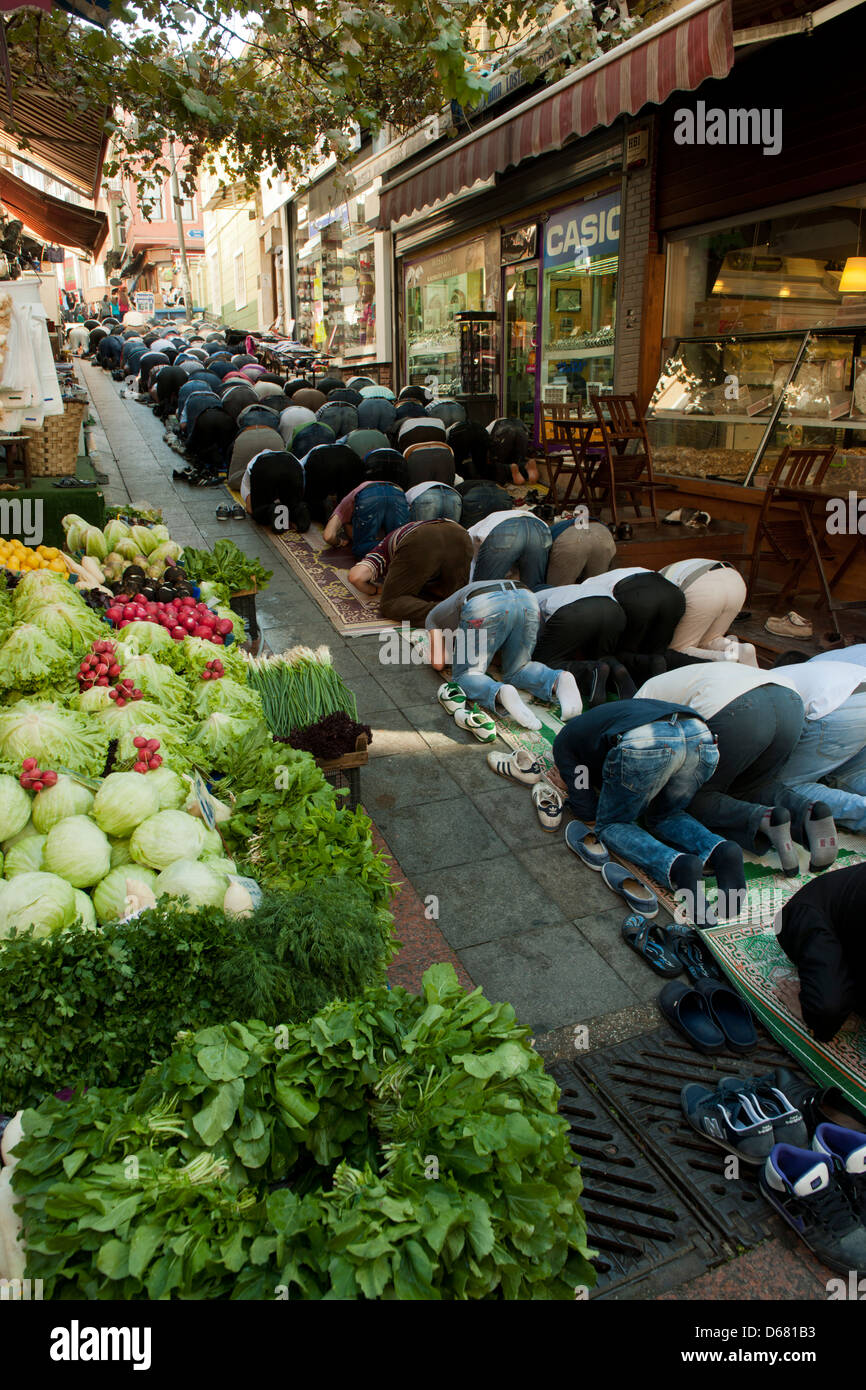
(548, 805)
(519, 766)
(732, 1119)
(475, 722)
(803, 1186)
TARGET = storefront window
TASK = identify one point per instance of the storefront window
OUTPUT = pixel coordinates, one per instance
(336, 281)
(581, 258)
(781, 273)
(438, 288)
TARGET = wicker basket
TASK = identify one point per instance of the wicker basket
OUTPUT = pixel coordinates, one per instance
(52, 451)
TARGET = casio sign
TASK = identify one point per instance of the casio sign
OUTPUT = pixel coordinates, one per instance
(583, 233)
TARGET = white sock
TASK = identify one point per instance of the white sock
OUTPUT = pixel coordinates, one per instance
(568, 695)
(513, 705)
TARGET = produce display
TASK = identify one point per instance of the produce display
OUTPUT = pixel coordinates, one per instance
(18, 558)
(307, 704)
(256, 1163)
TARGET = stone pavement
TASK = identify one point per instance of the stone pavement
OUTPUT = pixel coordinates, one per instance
(528, 921)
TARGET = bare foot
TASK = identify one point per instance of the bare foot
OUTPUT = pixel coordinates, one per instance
(532, 470)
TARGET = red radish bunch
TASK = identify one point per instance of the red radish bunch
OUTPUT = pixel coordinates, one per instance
(148, 755)
(99, 667)
(124, 692)
(34, 780)
(182, 617)
(214, 670)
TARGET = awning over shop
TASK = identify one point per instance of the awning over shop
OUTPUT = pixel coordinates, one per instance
(676, 55)
(69, 143)
(53, 219)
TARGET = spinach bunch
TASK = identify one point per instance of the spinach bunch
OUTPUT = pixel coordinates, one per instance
(391, 1147)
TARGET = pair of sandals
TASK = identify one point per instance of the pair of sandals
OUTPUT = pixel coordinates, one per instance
(669, 950)
(584, 842)
(227, 513)
(74, 482)
(710, 1016)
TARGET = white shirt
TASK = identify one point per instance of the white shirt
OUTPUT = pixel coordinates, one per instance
(244, 488)
(551, 600)
(707, 687)
(824, 686)
(603, 585)
(416, 491)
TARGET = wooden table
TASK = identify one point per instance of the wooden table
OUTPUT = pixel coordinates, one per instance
(586, 454)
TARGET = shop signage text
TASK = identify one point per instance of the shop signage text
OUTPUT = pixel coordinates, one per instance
(587, 229)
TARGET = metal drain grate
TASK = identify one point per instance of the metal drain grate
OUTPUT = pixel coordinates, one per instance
(655, 1192)
(636, 1220)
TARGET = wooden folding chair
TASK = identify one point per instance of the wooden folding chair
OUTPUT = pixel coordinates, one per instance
(623, 464)
(786, 530)
(556, 440)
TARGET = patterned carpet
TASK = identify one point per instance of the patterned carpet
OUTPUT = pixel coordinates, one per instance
(323, 571)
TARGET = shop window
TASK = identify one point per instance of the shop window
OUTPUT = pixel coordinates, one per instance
(779, 273)
(438, 288)
(336, 281)
(240, 280)
(578, 323)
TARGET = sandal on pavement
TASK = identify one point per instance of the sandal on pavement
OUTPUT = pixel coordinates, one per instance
(451, 697)
(648, 940)
(586, 845)
(639, 898)
(731, 1014)
(475, 722)
(693, 956)
(519, 766)
(548, 805)
(689, 1013)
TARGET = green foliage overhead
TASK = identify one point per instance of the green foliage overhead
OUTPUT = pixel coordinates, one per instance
(271, 85)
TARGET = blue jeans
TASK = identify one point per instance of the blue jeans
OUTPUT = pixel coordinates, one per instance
(437, 503)
(654, 772)
(829, 762)
(504, 621)
(520, 541)
(379, 510)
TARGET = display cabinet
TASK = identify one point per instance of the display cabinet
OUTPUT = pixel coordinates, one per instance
(731, 402)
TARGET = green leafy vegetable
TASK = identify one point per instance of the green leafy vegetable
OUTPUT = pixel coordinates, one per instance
(303, 1154)
(228, 565)
(53, 736)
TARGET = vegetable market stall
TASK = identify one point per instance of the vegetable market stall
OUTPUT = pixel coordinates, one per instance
(194, 934)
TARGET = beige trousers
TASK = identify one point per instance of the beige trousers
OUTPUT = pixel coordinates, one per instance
(712, 604)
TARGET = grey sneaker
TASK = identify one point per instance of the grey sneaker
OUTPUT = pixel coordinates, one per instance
(728, 1119)
(768, 1100)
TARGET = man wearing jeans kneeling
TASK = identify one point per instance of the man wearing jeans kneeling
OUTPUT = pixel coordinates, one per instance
(643, 760)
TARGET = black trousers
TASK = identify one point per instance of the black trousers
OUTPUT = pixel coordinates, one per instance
(756, 734)
(587, 629)
(653, 606)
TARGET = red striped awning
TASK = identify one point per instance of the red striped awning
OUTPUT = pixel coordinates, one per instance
(645, 69)
(53, 219)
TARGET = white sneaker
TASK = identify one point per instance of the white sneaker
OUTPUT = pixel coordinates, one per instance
(548, 804)
(475, 722)
(451, 697)
(519, 766)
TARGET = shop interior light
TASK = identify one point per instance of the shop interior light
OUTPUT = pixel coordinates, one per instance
(853, 276)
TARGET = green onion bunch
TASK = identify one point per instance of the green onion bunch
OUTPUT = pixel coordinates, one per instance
(298, 688)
